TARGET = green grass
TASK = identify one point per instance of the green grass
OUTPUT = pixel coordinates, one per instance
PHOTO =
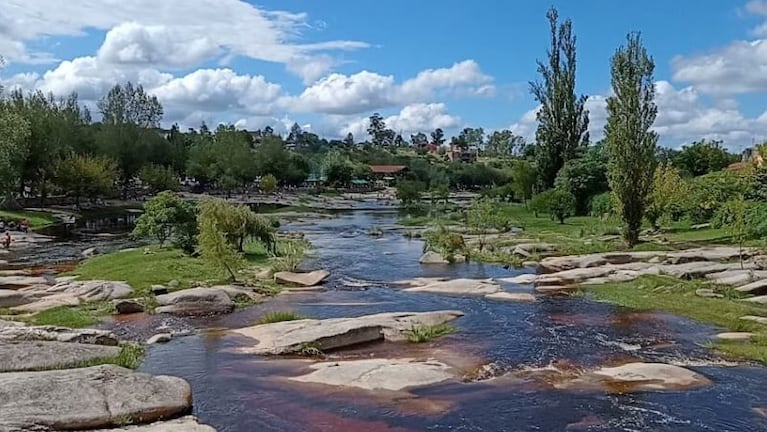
(85, 315)
(678, 297)
(130, 356)
(279, 316)
(36, 219)
(424, 333)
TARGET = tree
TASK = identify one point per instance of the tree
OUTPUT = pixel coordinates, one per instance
(523, 177)
(409, 192)
(669, 191)
(268, 184)
(130, 105)
(168, 217)
(703, 157)
(482, 217)
(295, 136)
(159, 178)
(505, 143)
(419, 140)
(14, 131)
(438, 137)
(559, 204)
(377, 130)
(212, 243)
(631, 144)
(584, 177)
(349, 140)
(471, 137)
(238, 223)
(338, 169)
(86, 176)
(563, 120)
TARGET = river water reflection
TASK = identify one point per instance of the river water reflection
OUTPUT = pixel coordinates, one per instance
(235, 392)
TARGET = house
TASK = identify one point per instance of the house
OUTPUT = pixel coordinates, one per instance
(387, 174)
(458, 154)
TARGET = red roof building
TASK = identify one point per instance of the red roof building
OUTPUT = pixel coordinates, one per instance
(387, 169)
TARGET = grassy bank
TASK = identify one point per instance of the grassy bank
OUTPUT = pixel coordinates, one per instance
(36, 219)
(678, 297)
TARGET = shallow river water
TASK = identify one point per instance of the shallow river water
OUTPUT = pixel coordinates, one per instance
(237, 392)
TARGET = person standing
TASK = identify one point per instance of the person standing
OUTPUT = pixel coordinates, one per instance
(7, 240)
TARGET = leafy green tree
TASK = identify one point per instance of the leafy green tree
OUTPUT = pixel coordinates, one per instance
(380, 135)
(472, 137)
(272, 158)
(505, 143)
(86, 176)
(212, 243)
(159, 178)
(238, 223)
(707, 193)
(14, 131)
(602, 205)
(349, 140)
(668, 193)
(703, 157)
(482, 216)
(438, 137)
(743, 220)
(338, 169)
(524, 176)
(584, 177)
(409, 192)
(419, 140)
(268, 184)
(630, 143)
(563, 120)
(559, 204)
(168, 217)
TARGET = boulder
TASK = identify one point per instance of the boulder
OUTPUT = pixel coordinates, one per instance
(87, 253)
(158, 289)
(302, 279)
(40, 355)
(759, 299)
(524, 279)
(698, 269)
(651, 377)
(290, 337)
(11, 298)
(721, 253)
(511, 297)
(195, 302)
(159, 338)
(72, 293)
(526, 250)
(88, 398)
(237, 292)
(459, 287)
(378, 374)
(58, 334)
(21, 281)
(707, 293)
(754, 288)
(736, 277)
(735, 336)
(128, 306)
(756, 319)
(183, 424)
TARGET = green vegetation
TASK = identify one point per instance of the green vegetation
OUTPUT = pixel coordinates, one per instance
(81, 316)
(168, 217)
(678, 297)
(425, 333)
(36, 219)
(130, 356)
(279, 316)
(86, 176)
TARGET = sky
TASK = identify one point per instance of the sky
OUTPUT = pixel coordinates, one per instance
(328, 65)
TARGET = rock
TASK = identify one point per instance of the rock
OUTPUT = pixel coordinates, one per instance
(708, 293)
(378, 374)
(184, 424)
(6, 323)
(701, 226)
(512, 297)
(722, 253)
(21, 281)
(759, 299)
(72, 293)
(529, 263)
(754, 288)
(635, 377)
(159, 338)
(733, 277)
(264, 274)
(302, 279)
(756, 319)
(87, 253)
(524, 279)
(762, 411)
(431, 257)
(195, 301)
(11, 298)
(698, 269)
(128, 306)
(238, 293)
(735, 336)
(88, 398)
(174, 284)
(293, 336)
(40, 355)
(59, 334)
(459, 287)
(527, 250)
(158, 289)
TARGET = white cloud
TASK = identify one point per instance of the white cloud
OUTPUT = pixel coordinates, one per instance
(411, 119)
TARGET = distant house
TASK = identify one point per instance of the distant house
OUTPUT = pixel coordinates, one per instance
(387, 174)
(457, 154)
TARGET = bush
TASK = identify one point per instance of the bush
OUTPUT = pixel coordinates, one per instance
(444, 241)
(584, 177)
(159, 178)
(748, 217)
(168, 217)
(279, 316)
(709, 192)
(559, 204)
(409, 192)
(602, 205)
(268, 184)
(424, 333)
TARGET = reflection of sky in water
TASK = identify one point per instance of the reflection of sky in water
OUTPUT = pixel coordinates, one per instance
(239, 393)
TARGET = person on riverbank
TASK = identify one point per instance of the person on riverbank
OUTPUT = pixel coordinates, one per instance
(7, 240)
(24, 226)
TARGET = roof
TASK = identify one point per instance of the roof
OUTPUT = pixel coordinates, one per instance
(387, 169)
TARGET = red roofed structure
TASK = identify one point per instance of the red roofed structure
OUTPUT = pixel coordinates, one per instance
(387, 169)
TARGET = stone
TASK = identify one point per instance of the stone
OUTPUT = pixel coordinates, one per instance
(511, 297)
(11, 298)
(236, 292)
(158, 289)
(88, 398)
(378, 374)
(732, 277)
(72, 293)
(524, 279)
(701, 226)
(756, 319)
(290, 337)
(636, 377)
(128, 306)
(174, 284)
(735, 336)
(529, 263)
(20, 281)
(527, 250)
(459, 287)
(754, 288)
(707, 293)
(195, 302)
(6, 323)
(698, 269)
(183, 424)
(159, 338)
(432, 257)
(43, 355)
(59, 334)
(87, 253)
(758, 299)
(302, 279)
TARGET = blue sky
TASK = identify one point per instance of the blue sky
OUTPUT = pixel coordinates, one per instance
(328, 65)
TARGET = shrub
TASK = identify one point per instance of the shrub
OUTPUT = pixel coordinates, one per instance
(602, 205)
(424, 333)
(279, 316)
(444, 241)
(559, 204)
(743, 219)
(709, 192)
(409, 192)
(269, 184)
(167, 217)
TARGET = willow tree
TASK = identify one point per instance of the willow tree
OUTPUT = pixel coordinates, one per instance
(563, 120)
(630, 143)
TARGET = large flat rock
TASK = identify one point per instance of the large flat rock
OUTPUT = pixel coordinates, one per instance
(301, 279)
(293, 336)
(57, 334)
(71, 293)
(184, 424)
(195, 301)
(38, 355)
(378, 374)
(457, 287)
(754, 288)
(88, 398)
(12, 298)
(512, 297)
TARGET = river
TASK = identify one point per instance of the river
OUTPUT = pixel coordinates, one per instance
(236, 392)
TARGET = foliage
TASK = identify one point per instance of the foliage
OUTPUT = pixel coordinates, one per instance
(289, 255)
(741, 219)
(584, 177)
(757, 184)
(169, 217)
(14, 131)
(559, 204)
(444, 241)
(562, 119)
(476, 175)
(237, 223)
(86, 176)
(668, 194)
(35, 219)
(273, 158)
(602, 205)
(212, 243)
(159, 178)
(703, 157)
(338, 169)
(523, 175)
(425, 332)
(708, 192)
(482, 217)
(279, 316)
(631, 144)
(269, 184)
(409, 192)
(85, 315)
(505, 143)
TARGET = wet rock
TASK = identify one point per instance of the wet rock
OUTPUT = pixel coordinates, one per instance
(459, 287)
(756, 319)
(128, 306)
(158, 290)
(378, 374)
(41, 355)
(238, 293)
(527, 250)
(59, 334)
(762, 411)
(511, 297)
(302, 279)
(87, 253)
(159, 338)
(184, 424)
(735, 336)
(524, 279)
(707, 293)
(72, 293)
(88, 398)
(195, 302)
(754, 288)
(293, 336)
(635, 377)
(432, 257)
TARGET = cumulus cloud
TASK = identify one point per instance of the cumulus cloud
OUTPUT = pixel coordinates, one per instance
(419, 117)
